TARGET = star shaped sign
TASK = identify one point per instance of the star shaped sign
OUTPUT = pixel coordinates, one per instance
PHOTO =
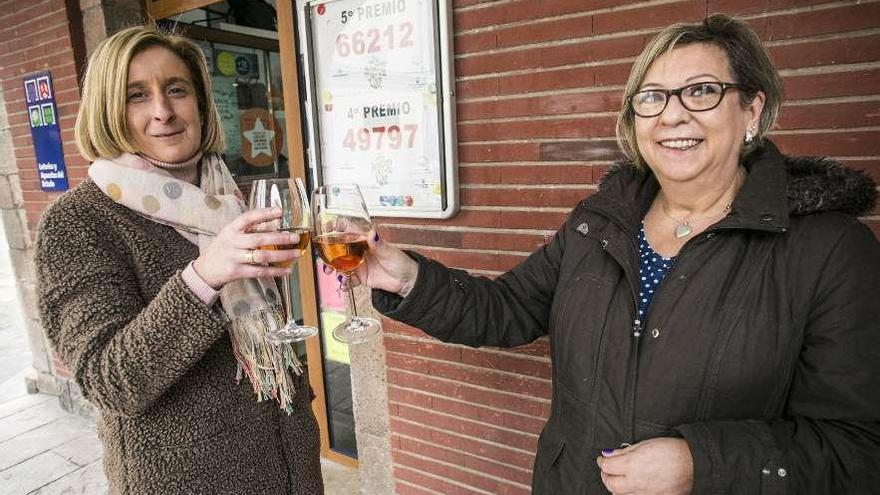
(260, 139)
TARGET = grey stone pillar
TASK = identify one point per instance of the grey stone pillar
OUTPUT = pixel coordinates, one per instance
(369, 390)
(14, 221)
(104, 17)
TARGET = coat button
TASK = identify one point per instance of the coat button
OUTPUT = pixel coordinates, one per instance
(765, 471)
(782, 473)
(682, 278)
(766, 217)
(604, 243)
(710, 235)
(655, 333)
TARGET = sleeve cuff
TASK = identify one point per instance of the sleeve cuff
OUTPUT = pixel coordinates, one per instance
(197, 284)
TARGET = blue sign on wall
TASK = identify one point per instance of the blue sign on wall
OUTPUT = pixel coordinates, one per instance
(45, 131)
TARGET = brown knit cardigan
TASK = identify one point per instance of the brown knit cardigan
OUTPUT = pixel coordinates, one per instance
(157, 362)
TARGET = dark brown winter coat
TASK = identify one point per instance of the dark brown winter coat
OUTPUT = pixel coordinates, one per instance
(761, 347)
(157, 362)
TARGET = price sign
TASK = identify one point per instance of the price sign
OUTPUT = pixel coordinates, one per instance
(382, 106)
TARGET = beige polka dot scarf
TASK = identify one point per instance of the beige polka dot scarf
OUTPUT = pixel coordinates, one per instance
(198, 213)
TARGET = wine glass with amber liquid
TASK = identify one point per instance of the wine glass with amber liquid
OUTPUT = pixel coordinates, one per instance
(296, 217)
(341, 226)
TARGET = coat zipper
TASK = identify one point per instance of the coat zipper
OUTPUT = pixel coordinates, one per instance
(638, 329)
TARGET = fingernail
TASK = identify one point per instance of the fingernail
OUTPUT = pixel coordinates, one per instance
(376, 237)
(607, 452)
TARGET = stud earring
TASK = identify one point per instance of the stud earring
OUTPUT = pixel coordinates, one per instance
(750, 134)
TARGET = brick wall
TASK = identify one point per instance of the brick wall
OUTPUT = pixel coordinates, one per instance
(36, 36)
(539, 84)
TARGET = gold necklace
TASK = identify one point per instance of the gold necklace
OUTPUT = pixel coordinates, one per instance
(683, 227)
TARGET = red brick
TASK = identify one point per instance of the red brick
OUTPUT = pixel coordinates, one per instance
(612, 74)
(428, 450)
(433, 350)
(545, 31)
(31, 20)
(404, 488)
(467, 239)
(498, 399)
(457, 4)
(55, 39)
(524, 219)
(470, 260)
(832, 84)
(652, 16)
(592, 126)
(547, 80)
(498, 152)
(830, 115)
(467, 428)
(853, 50)
(438, 485)
(523, 10)
(486, 378)
(498, 470)
(555, 104)
(526, 174)
(743, 7)
(534, 197)
(838, 19)
(408, 396)
(585, 51)
(475, 88)
(472, 446)
(475, 42)
(502, 418)
(463, 476)
(853, 143)
(495, 360)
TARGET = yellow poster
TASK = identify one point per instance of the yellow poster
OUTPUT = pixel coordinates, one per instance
(333, 350)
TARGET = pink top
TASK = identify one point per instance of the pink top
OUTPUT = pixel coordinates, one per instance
(188, 171)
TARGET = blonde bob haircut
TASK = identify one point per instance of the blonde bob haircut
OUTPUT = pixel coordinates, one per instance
(101, 125)
(747, 59)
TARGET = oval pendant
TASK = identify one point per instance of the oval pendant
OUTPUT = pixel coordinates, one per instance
(682, 230)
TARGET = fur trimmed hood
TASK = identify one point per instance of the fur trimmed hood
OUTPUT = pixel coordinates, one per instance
(813, 184)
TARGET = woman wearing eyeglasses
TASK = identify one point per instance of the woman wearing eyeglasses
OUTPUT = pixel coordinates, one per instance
(712, 310)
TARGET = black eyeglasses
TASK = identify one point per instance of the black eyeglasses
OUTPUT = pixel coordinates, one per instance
(697, 97)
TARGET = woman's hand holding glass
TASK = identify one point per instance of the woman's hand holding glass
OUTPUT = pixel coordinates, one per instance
(342, 230)
(295, 221)
(235, 253)
(387, 268)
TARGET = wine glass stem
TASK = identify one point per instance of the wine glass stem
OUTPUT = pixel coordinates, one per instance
(287, 303)
(351, 301)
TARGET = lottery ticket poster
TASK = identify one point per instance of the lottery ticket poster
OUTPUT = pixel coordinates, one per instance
(382, 103)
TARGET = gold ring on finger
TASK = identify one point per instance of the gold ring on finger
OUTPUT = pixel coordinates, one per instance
(249, 257)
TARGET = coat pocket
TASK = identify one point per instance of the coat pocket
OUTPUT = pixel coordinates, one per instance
(244, 461)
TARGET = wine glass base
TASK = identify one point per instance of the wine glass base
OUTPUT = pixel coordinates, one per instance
(356, 330)
(291, 333)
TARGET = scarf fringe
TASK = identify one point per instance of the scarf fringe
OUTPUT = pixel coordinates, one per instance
(267, 366)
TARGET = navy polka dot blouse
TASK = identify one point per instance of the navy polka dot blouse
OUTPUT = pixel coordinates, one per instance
(652, 270)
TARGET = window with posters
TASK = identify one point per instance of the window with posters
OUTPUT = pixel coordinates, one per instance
(382, 102)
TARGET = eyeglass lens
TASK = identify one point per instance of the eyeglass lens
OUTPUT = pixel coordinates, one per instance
(695, 97)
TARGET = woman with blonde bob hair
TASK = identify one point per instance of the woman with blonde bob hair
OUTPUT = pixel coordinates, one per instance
(153, 292)
(712, 309)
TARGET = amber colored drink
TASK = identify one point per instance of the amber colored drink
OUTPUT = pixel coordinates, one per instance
(343, 251)
(304, 237)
